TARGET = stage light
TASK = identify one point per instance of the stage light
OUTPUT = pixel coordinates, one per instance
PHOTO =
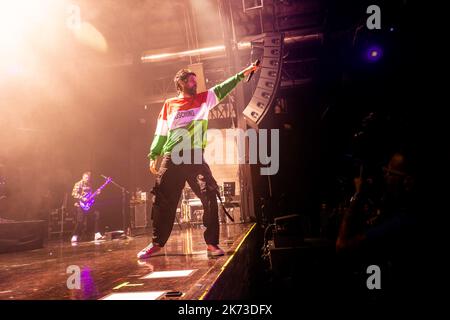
(88, 35)
(15, 69)
(25, 28)
(19, 19)
(31, 29)
(190, 53)
(165, 56)
(374, 53)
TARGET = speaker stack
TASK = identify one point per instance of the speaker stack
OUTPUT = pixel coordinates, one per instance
(269, 80)
(21, 235)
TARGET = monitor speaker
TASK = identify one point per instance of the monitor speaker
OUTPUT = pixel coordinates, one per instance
(288, 231)
(140, 215)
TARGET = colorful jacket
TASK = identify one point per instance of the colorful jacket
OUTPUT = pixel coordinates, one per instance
(180, 116)
(80, 190)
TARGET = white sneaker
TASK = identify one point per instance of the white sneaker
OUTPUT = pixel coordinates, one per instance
(149, 251)
(74, 239)
(98, 236)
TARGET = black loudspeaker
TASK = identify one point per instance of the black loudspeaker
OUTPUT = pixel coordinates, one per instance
(22, 235)
(288, 231)
(140, 215)
(268, 82)
(117, 234)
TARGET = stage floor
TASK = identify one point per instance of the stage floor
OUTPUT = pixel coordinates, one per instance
(110, 269)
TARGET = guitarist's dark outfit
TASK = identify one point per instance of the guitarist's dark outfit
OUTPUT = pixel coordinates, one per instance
(80, 190)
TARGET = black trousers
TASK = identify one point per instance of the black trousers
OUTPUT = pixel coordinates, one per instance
(170, 182)
(81, 220)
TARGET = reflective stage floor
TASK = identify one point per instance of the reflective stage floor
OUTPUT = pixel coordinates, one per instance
(110, 269)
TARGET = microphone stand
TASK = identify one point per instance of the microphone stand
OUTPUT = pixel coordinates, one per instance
(124, 192)
(223, 206)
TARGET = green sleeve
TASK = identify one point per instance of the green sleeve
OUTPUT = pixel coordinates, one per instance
(223, 89)
(157, 146)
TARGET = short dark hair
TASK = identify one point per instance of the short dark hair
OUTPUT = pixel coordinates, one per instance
(86, 172)
(182, 75)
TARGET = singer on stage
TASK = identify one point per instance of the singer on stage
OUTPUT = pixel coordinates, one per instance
(188, 111)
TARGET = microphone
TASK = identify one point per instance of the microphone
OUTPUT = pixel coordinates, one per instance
(256, 63)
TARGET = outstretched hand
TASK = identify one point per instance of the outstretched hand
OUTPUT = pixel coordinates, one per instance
(250, 68)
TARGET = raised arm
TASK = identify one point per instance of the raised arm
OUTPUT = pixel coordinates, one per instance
(220, 91)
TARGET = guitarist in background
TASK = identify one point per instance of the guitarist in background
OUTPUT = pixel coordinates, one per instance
(80, 191)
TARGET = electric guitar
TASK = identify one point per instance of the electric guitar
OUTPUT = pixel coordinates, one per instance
(90, 197)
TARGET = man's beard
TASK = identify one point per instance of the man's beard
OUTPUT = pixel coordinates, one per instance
(191, 91)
